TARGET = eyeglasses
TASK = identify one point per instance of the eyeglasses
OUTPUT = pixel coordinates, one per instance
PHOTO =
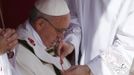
(56, 29)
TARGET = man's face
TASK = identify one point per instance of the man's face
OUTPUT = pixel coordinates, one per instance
(54, 29)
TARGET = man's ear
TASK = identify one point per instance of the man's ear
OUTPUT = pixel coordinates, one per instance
(39, 23)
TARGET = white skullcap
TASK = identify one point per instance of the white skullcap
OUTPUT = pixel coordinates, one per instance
(52, 7)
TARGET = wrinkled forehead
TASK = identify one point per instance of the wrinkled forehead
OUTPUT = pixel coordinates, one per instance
(60, 21)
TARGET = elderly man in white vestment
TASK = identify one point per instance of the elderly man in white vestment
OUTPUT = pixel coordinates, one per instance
(40, 36)
(107, 45)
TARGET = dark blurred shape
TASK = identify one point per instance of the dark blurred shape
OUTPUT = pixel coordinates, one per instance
(15, 12)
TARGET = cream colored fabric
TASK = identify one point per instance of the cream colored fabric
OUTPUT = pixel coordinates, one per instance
(5, 68)
(27, 62)
(107, 43)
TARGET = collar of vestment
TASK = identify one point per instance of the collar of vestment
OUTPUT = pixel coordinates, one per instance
(26, 32)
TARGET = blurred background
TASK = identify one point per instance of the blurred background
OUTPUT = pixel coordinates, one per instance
(15, 12)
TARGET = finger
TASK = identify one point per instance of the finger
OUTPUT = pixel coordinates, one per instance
(64, 50)
(13, 37)
(62, 54)
(8, 32)
(12, 44)
(59, 48)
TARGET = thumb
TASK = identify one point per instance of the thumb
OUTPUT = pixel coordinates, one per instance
(59, 48)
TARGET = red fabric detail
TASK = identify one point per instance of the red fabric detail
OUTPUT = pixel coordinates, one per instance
(31, 41)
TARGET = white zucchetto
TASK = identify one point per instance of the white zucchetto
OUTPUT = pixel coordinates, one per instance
(52, 7)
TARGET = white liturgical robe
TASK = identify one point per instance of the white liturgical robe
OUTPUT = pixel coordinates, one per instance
(38, 61)
(107, 27)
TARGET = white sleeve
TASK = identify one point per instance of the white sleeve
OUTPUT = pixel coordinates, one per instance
(132, 69)
(117, 60)
(73, 35)
(5, 68)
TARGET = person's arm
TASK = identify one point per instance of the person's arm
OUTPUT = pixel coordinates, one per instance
(71, 41)
(118, 59)
(8, 40)
(73, 35)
